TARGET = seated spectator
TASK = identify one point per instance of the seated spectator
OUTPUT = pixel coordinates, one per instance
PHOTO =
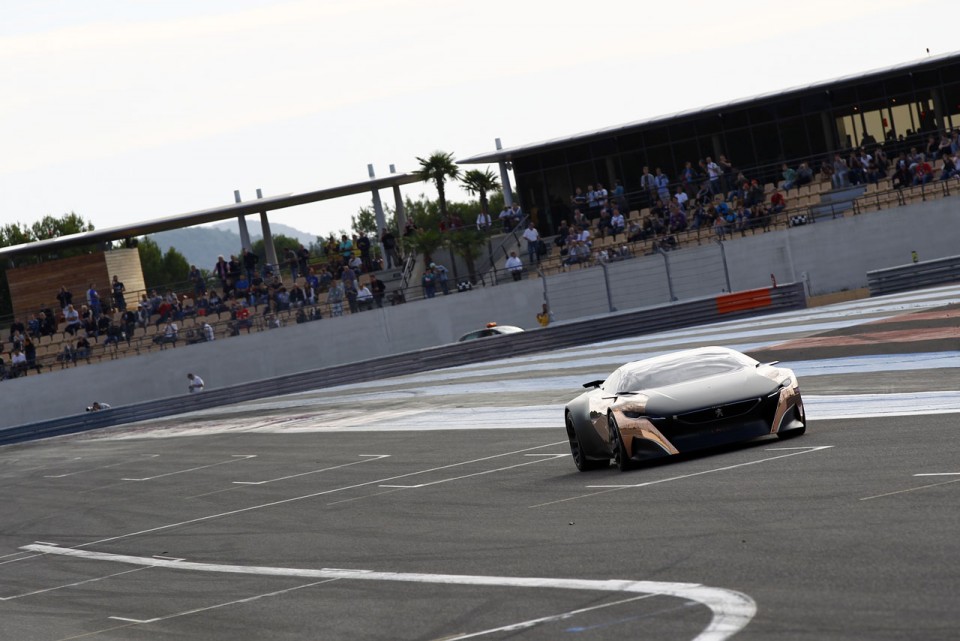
(241, 317)
(30, 351)
(208, 333)
(617, 222)
(82, 349)
(789, 177)
(515, 266)
(364, 298)
(804, 175)
(18, 363)
(72, 319)
(923, 173)
(34, 326)
(297, 297)
(777, 202)
(67, 355)
(949, 166)
(635, 232)
(169, 337)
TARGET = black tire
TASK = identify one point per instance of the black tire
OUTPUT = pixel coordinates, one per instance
(576, 450)
(620, 457)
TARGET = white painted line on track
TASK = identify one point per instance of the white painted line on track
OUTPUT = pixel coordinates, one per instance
(367, 458)
(233, 459)
(499, 469)
(102, 467)
(613, 488)
(70, 585)
(939, 474)
(911, 489)
(293, 499)
(523, 625)
(219, 605)
(731, 610)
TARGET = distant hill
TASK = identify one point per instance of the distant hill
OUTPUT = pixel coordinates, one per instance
(201, 245)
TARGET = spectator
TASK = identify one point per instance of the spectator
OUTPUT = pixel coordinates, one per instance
(249, 260)
(429, 283)
(506, 219)
(303, 259)
(839, 178)
(789, 177)
(663, 186)
(208, 334)
(777, 202)
(65, 298)
(389, 242)
(72, 318)
(222, 271)
(923, 173)
(363, 244)
(345, 248)
(199, 283)
(82, 349)
(545, 316)
(378, 288)
(18, 363)
(118, 291)
(335, 298)
(93, 301)
(364, 298)
(648, 184)
(293, 264)
(195, 383)
(169, 336)
(443, 277)
(515, 266)
(30, 352)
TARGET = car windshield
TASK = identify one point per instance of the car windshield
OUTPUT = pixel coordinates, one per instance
(657, 372)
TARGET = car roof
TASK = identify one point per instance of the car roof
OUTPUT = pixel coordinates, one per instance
(688, 354)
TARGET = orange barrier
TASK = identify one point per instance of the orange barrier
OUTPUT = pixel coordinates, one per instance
(741, 301)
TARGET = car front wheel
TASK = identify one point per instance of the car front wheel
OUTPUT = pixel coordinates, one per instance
(576, 449)
(616, 444)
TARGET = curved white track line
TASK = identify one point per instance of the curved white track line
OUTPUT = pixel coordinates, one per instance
(732, 610)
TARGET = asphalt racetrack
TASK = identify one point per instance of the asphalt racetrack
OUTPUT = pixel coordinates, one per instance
(445, 505)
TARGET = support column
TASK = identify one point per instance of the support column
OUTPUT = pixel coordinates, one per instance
(505, 179)
(242, 222)
(268, 239)
(401, 216)
(378, 213)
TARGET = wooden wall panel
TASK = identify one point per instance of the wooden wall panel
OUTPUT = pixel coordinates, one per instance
(34, 287)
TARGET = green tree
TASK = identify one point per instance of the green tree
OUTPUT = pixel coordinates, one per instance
(480, 183)
(424, 242)
(365, 222)
(438, 168)
(468, 243)
(280, 242)
(162, 270)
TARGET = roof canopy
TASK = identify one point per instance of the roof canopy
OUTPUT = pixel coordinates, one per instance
(202, 216)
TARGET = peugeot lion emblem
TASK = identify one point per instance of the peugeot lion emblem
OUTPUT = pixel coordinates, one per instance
(718, 412)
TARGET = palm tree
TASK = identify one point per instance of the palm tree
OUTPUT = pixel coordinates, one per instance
(480, 182)
(438, 167)
(468, 243)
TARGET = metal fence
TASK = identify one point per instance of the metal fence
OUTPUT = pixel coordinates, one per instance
(635, 282)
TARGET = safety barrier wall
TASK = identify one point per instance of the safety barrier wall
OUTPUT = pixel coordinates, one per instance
(914, 276)
(610, 326)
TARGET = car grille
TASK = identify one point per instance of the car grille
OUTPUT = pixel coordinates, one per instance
(750, 416)
(718, 413)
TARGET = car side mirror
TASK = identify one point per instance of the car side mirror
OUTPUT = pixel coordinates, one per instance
(593, 384)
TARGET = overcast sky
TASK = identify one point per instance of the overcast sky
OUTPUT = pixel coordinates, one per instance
(124, 110)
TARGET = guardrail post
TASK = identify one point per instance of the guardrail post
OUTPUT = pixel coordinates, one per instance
(546, 292)
(666, 263)
(606, 282)
(726, 268)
